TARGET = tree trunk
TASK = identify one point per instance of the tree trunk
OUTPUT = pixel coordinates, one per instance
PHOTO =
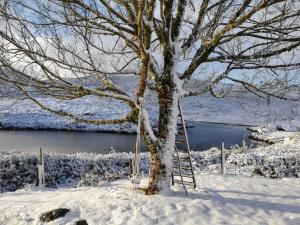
(162, 154)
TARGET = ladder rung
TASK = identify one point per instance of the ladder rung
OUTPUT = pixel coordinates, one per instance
(184, 159)
(185, 182)
(183, 175)
(177, 167)
(181, 157)
(182, 167)
(187, 169)
(183, 170)
(182, 151)
(186, 173)
(181, 154)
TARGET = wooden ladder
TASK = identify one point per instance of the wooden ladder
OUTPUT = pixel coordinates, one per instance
(183, 172)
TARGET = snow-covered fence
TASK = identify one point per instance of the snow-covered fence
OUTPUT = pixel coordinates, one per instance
(222, 159)
(19, 169)
(274, 164)
(41, 170)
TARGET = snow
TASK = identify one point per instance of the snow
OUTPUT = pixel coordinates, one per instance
(147, 125)
(25, 114)
(85, 186)
(275, 136)
(85, 183)
(238, 108)
(217, 200)
(167, 144)
(18, 169)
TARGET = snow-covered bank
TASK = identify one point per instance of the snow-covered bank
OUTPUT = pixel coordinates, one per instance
(26, 115)
(217, 200)
(274, 134)
(19, 169)
(240, 108)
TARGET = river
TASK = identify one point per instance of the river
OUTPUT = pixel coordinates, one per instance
(201, 136)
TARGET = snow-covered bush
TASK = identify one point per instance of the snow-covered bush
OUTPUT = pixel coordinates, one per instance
(242, 149)
(89, 179)
(273, 161)
(17, 170)
(273, 164)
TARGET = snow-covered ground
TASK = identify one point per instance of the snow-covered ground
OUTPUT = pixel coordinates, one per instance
(230, 199)
(217, 200)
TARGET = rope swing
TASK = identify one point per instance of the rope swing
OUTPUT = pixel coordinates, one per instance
(135, 172)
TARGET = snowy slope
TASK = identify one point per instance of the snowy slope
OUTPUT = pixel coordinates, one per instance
(24, 114)
(239, 108)
(217, 200)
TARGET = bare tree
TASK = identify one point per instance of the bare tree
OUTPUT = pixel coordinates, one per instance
(46, 44)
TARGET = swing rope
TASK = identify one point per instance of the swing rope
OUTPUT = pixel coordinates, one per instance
(135, 176)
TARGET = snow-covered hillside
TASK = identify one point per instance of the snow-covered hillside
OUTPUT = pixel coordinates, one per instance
(217, 200)
(25, 114)
(238, 108)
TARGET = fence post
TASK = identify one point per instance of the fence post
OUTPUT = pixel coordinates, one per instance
(222, 159)
(41, 170)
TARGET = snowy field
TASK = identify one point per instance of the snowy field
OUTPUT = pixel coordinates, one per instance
(218, 200)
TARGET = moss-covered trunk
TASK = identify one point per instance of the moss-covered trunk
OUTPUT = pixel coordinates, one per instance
(162, 153)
